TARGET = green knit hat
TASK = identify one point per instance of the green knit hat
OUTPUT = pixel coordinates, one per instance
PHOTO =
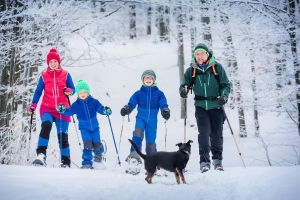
(82, 85)
(202, 47)
(149, 72)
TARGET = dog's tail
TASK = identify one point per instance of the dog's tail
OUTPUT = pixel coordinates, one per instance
(137, 149)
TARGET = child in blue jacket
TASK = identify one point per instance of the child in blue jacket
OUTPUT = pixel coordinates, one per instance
(86, 109)
(149, 100)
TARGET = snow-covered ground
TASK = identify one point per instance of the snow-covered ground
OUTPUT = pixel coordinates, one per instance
(113, 82)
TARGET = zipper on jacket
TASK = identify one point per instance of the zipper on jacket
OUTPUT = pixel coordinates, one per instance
(149, 102)
(89, 116)
(55, 95)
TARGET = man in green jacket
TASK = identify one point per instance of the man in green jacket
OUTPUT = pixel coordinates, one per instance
(211, 87)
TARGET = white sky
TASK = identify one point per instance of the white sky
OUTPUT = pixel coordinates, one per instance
(120, 79)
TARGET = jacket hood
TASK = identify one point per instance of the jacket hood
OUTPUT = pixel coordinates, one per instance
(212, 61)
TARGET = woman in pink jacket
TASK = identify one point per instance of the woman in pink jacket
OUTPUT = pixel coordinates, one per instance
(57, 85)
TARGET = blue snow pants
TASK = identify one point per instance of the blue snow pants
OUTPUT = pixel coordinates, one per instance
(148, 125)
(92, 143)
(61, 128)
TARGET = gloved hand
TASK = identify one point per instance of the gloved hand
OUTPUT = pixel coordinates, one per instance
(165, 112)
(221, 100)
(107, 110)
(61, 108)
(184, 93)
(31, 108)
(126, 110)
(68, 91)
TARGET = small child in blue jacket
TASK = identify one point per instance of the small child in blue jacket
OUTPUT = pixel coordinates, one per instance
(149, 99)
(86, 108)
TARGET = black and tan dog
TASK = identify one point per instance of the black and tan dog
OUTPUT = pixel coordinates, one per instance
(170, 161)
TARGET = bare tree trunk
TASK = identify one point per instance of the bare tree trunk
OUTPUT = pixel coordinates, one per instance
(163, 23)
(206, 26)
(10, 79)
(232, 63)
(179, 21)
(255, 109)
(292, 34)
(102, 6)
(193, 28)
(132, 21)
(149, 14)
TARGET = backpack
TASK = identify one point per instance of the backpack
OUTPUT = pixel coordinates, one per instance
(195, 73)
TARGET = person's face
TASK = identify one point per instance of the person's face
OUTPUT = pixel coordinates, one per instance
(148, 80)
(83, 94)
(201, 57)
(53, 64)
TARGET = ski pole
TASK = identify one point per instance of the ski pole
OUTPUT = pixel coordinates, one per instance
(166, 141)
(166, 136)
(121, 135)
(233, 136)
(185, 108)
(114, 139)
(30, 133)
(75, 126)
(60, 136)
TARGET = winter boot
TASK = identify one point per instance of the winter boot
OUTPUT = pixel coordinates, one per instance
(204, 168)
(134, 163)
(219, 167)
(66, 161)
(40, 160)
(87, 166)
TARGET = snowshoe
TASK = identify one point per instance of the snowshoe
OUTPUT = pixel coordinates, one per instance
(133, 163)
(103, 155)
(87, 166)
(100, 159)
(100, 162)
(40, 160)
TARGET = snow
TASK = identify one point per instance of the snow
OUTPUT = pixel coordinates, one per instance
(26, 182)
(113, 82)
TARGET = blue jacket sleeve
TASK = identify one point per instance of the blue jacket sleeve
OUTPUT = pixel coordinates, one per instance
(163, 101)
(70, 83)
(70, 111)
(38, 91)
(134, 99)
(99, 107)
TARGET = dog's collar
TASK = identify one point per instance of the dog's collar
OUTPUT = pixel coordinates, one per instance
(185, 151)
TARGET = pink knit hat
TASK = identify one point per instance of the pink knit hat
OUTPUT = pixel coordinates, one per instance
(53, 55)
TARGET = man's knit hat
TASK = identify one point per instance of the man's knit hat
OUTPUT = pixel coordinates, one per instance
(82, 85)
(149, 72)
(202, 47)
(53, 55)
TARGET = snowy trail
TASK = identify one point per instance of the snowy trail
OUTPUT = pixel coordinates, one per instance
(28, 182)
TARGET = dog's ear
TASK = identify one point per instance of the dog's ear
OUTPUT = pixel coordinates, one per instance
(190, 141)
(179, 144)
